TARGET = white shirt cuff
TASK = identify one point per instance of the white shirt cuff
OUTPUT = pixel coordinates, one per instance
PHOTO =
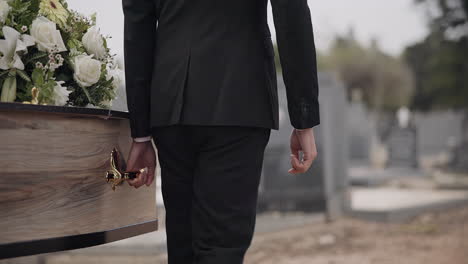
(142, 139)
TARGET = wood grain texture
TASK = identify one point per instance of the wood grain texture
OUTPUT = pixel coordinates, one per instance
(52, 184)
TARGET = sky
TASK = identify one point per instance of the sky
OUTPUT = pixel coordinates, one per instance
(394, 23)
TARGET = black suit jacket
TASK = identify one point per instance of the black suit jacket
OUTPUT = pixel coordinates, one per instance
(211, 62)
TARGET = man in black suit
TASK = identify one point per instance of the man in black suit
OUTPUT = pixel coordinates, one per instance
(201, 82)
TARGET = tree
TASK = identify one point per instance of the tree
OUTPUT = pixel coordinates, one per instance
(448, 16)
(440, 63)
(385, 82)
(440, 67)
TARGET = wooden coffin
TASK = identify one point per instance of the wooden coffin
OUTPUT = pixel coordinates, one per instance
(53, 191)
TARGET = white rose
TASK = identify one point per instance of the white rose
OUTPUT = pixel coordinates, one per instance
(87, 70)
(47, 36)
(61, 94)
(117, 74)
(4, 10)
(93, 41)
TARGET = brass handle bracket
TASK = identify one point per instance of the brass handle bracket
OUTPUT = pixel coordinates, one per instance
(115, 175)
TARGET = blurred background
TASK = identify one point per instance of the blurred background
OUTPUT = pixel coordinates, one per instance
(391, 181)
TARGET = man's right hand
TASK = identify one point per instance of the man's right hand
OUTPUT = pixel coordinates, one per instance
(142, 155)
(302, 140)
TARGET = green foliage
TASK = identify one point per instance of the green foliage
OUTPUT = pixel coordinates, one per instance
(22, 13)
(44, 69)
(23, 92)
(440, 61)
(100, 92)
(76, 45)
(34, 57)
(383, 82)
(23, 75)
(80, 26)
(446, 15)
(44, 82)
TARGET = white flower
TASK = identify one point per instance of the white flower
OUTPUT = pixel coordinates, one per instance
(91, 106)
(47, 36)
(93, 41)
(87, 70)
(53, 66)
(13, 44)
(117, 74)
(107, 103)
(4, 10)
(61, 94)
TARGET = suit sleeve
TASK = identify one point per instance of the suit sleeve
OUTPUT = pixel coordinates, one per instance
(297, 52)
(140, 19)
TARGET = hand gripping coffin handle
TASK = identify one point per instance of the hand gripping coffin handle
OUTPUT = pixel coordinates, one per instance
(116, 175)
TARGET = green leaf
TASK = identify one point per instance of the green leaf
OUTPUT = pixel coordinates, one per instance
(38, 77)
(3, 73)
(87, 95)
(24, 75)
(93, 18)
(39, 55)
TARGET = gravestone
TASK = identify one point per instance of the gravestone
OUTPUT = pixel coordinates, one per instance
(402, 141)
(324, 187)
(359, 132)
(403, 151)
(459, 161)
(438, 131)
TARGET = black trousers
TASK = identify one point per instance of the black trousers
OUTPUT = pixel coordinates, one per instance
(210, 177)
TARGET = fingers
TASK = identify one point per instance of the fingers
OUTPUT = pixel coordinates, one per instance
(302, 141)
(143, 175)
(132, 158)
(150, 178)
(300, 166)
(304, 165)
(295, 164)
(140, 179)
(140, 157)
(134, 182)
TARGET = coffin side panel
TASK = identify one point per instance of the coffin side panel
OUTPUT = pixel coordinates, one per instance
(52, 184)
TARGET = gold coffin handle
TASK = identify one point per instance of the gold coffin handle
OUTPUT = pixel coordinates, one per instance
(116, 175)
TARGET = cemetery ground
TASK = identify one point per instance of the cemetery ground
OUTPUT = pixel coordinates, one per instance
(437, 235)
(431, 238)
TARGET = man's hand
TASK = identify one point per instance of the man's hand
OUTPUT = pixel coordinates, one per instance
(302, 140)
(142, 155)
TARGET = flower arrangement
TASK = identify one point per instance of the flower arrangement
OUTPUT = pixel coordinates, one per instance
(52, 55)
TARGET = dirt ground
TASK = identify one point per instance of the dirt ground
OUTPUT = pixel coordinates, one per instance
(433, 238)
